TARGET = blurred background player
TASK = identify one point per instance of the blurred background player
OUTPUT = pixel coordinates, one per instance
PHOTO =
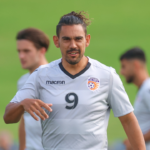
(6, 141)
(32, 44)
(133, 68)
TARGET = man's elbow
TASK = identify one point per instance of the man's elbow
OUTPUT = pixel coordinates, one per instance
(9, 120)
(6, 119)
(6, 116)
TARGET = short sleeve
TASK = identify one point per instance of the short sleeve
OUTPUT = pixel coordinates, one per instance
(118, 99)
(29, 90)
(146, 98)
(18, 86)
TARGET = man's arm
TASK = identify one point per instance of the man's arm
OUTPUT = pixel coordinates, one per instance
(146, 100)
(22, 140)
(147, 136)
(14, 111)
(133, 131)
(26, 100)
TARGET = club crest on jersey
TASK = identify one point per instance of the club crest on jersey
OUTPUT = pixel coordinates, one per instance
(93, 83)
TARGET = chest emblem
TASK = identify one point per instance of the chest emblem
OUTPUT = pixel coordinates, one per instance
(93, 83)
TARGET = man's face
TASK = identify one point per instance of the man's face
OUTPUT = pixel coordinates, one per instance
(127, 70)
(28, 54)
(72, 42)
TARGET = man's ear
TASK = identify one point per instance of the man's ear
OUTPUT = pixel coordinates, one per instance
(137, 64)
(43, 50)
(56, 42)
(88, 37)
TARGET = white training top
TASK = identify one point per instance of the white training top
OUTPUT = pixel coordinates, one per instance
(33, 129)
(142, 108)
(22, 80)
(81, 104)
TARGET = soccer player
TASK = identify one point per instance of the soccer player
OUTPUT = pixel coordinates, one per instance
(73, 96)
(133, 68)
(32, 44)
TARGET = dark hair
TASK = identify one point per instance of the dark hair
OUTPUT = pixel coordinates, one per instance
(134, 53)
(73, 18)
(34, 35)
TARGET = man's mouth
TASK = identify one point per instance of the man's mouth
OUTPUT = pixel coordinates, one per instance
(73, 53)
(23, 62)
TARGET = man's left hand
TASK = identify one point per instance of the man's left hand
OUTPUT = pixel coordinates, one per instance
(127, 144)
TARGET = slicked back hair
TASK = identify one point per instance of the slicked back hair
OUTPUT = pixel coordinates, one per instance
(74, 18)
(36, 36)
(134, 53)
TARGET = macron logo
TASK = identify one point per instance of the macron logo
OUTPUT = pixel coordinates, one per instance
(55, 82)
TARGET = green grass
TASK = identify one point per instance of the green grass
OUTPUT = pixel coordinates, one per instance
(117, 25)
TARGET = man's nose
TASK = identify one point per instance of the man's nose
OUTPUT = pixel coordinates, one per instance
(21, 55)
(73, 44)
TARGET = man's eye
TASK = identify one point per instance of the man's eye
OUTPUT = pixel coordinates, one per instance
(78, 39)
(26, 51)
(66, 39)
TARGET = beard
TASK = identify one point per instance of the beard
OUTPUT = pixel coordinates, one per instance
(130, 79)
(77, 60)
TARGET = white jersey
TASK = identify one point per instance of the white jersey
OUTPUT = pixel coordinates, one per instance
(142, 108)
(22, 81)
(81, 104)
(33, 130)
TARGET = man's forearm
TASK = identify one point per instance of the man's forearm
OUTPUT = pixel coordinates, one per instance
(13, 112)
(133, 132)
(22, 134)
(147, 136)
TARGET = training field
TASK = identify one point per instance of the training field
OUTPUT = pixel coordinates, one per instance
(116, 26)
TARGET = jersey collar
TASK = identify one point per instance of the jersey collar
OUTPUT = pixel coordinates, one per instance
(76, 75)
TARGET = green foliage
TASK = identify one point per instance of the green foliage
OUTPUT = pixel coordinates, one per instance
(116, 26)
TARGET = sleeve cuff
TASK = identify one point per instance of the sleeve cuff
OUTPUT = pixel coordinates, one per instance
(125, 113)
